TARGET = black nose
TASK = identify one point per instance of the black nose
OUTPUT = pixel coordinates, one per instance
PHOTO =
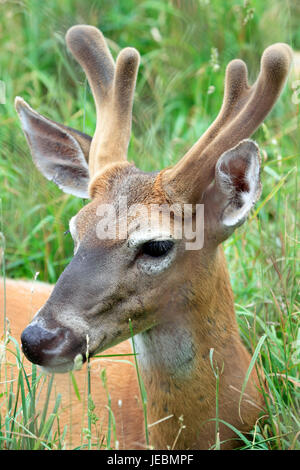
(40, 345)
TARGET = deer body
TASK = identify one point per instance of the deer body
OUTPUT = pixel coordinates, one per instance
(146, 277)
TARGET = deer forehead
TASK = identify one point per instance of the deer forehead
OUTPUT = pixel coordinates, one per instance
(121, 186)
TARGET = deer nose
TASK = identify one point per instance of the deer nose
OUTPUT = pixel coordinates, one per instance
(41, 345)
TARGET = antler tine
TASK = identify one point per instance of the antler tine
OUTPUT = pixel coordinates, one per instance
(236, 92)
(112, 87)
(242, 111)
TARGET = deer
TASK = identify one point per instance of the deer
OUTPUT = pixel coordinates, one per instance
(145, 293)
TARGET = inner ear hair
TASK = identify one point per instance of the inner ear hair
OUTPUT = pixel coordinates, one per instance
(237, 182)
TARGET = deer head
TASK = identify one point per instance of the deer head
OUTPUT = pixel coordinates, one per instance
(137, 276)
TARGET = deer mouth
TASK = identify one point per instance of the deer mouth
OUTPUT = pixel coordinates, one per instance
(61, 366)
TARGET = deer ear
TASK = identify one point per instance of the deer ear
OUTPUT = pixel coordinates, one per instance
(60, 153)
(237, 186)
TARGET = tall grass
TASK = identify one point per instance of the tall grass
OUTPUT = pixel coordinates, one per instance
(21, 427)
(185, 47)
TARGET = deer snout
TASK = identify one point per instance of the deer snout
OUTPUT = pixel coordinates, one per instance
(48, 347)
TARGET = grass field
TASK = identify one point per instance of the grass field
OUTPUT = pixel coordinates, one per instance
(185, 46)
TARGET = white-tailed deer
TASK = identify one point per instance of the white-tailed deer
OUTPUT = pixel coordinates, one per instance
(178, 301)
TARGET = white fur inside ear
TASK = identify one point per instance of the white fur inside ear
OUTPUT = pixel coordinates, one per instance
(238, 174)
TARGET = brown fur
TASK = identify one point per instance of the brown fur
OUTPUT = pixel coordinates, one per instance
(212, 322)
(103, 179)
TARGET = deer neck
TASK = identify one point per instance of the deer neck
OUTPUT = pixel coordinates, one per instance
(175, 361)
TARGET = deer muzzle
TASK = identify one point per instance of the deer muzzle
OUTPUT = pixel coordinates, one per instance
(46, 348)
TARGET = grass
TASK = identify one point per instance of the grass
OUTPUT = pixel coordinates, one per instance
(22, 428)
(185, 47)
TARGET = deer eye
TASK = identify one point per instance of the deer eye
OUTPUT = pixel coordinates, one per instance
(157, 248)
